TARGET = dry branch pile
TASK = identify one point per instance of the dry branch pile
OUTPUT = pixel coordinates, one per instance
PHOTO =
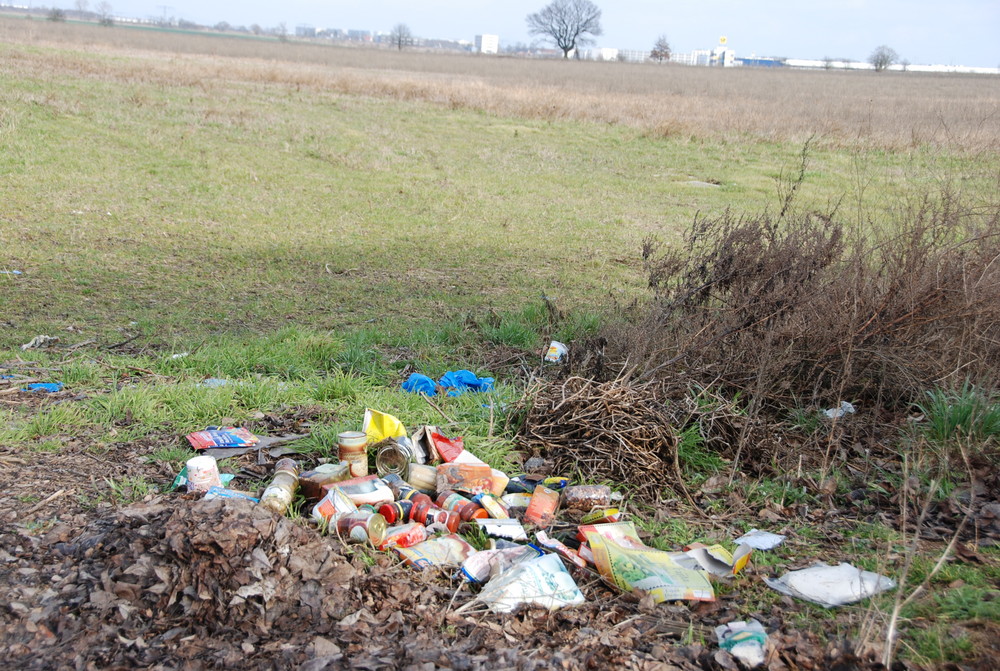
(617, 431)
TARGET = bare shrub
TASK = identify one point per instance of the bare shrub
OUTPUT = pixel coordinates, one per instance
(805, 309)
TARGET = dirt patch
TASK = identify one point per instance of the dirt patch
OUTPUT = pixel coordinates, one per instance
(215, 584)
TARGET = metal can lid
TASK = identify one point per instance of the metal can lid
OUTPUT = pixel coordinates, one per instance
(376, 529)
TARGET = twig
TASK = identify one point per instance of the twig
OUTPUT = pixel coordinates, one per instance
(489, 434)
(20, 381)
(123, 342)
(50, 499)
(435, 406)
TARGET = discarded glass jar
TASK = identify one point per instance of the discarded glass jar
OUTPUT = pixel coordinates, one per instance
(394, 458)
(311, 482)
(457, 503)
(422, 477)
(586, 497)
(278, 495)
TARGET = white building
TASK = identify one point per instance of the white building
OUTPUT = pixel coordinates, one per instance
(487, 44)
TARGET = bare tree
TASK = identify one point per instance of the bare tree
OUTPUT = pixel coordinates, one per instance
(104, 11)
(883, 57)
(81, 7)
(567, 23)
(401, 36)
(661, 50)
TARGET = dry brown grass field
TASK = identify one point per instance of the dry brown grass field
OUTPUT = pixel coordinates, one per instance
(877, 110)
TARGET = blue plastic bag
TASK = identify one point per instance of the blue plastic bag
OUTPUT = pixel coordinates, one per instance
(461, 381)
(457, 382)
(419, 384)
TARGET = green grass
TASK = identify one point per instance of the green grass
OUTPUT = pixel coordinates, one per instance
(313, 248)
(967, 412)
(185, 206)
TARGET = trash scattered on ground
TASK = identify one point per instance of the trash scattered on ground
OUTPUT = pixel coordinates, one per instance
(181, 480)
(625, 561)
(214, 382)
(450, 550)
(221, 437)
(716, 559)
(11, 272)
(452, 383)
(556, 352)
(180, 355)
(279, 494)
(746, 641)
(379, 425)
(460, 381)
(543, 580)
(202, 474)
(844, 409)
(542, 528)
(40, 341)
(47, 387)
(760, 540)
(831, 586)
(224, 493)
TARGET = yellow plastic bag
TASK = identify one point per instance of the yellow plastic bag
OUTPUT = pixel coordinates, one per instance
(378, 426)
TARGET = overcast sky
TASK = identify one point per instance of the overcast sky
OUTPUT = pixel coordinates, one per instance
(948, 32)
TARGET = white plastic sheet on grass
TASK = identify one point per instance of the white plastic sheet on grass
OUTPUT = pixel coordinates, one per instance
(831, 586)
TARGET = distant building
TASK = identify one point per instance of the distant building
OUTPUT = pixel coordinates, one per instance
(305, 31)
(360, 35)
(720, 56)
(487, 44)
(761, 62)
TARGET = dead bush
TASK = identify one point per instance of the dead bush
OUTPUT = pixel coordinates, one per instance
(803, 309)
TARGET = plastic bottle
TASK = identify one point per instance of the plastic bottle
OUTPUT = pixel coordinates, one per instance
(278, 495)
(457, 503)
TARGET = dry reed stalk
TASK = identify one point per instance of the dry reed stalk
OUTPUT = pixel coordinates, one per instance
(842, 109)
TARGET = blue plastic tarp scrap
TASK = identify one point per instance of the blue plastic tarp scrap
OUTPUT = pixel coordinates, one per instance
(456, 382)
(47, 387)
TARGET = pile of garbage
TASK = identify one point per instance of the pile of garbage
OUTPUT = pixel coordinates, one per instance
(514, 539)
